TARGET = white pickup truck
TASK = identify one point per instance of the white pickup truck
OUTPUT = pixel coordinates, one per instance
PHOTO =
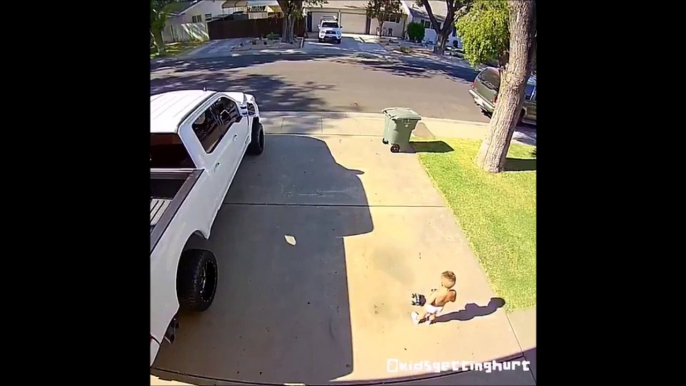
(197, 141)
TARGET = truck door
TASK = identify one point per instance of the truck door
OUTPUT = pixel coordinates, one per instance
(218, 133)
(243, 126)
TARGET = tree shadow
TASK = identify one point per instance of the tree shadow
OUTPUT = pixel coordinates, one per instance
(181, 65)
(414, 68)
(431, 147)
(281, 95)
(282, 310)
(332, 87)
(519, 165)
(472, 310)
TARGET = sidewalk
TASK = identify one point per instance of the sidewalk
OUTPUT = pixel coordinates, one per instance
(371, 124)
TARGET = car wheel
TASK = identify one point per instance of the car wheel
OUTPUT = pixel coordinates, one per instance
(338, 41)
(196, 280)
(520, 120)
(320, 40)
(256, 146)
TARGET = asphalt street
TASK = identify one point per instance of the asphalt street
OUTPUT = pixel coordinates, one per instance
(357, 83)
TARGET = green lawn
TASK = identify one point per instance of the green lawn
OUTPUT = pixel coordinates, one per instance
(175, 48)
(496, 211)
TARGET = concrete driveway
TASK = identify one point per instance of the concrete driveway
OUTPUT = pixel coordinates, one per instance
(320, 243)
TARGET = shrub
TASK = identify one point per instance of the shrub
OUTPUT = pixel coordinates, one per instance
(415, 31)
(272, 36)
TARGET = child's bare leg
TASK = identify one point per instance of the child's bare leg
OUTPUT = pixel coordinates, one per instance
(432, 317)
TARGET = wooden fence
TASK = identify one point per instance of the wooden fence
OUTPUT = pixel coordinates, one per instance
(224, 29)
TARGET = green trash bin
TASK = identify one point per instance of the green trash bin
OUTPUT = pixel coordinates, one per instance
(399, 123)
(387, 126)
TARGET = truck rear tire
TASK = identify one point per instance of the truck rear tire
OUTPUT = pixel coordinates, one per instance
(256, 146)
(196, 280)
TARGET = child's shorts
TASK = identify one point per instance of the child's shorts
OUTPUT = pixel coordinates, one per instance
(433, 310)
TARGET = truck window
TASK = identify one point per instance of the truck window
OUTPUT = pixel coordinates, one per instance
(213, 124)
(529, 91)
(491, 79)
(330, 24)
(167, 151)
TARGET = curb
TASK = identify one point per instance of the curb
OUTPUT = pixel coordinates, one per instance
(344, 114)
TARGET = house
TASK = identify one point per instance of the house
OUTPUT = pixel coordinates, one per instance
(252, 9)
(199, 11)
(419, 14)
(352, 16)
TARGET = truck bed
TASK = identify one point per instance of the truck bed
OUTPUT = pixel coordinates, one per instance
(157, 208)
(168, 189)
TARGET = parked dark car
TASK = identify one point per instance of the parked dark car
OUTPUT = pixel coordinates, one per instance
(485, 92)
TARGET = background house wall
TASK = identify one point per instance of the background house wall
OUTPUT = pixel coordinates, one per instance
(198, 13)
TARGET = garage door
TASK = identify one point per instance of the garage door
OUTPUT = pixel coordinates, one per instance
(354, 23)
(317, 16)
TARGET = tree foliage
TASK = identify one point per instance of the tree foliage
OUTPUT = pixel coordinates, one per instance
(382, 10)
(159, 10)
(484, 31)
(416, 31)
(443, 31)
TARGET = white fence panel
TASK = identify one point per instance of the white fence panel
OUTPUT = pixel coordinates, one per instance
(185, 32)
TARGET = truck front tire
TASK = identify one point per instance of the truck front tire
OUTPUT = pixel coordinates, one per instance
(256, 146)
(196, 280)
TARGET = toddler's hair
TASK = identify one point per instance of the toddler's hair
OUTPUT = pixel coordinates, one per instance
(448, 279)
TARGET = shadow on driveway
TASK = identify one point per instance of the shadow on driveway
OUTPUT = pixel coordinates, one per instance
(281, 313)
(521, 373)
(472, 311)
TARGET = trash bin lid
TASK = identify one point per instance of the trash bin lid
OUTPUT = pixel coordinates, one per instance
(401, 113)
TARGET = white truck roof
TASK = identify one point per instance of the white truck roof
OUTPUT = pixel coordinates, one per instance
(169, 108)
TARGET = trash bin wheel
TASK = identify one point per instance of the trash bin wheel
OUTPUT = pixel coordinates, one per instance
(395, 148)
(385, 142)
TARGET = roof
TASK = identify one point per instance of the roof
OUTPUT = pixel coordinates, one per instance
(168, 109)
(439, 9)
(177, 8)
(342, 4)
(246, 3)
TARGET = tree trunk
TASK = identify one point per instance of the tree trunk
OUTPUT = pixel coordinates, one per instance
(284, 28)
(291, 29)
(159, 42)
(493, 151)
(287, 36)
(441, 39)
